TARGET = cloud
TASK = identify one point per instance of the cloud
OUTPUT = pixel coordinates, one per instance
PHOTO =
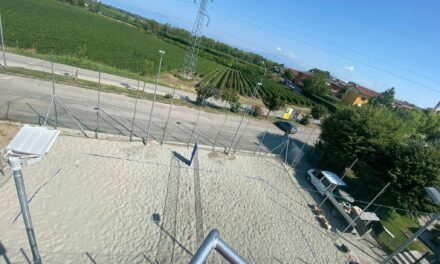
(279, 49)
(349, 68)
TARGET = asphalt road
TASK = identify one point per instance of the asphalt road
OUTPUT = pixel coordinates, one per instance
(28, 100)
(15, 60)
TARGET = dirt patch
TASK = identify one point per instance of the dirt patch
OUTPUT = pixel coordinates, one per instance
(174, 81)
(7, 132)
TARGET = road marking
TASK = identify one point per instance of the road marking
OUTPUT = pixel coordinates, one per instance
(7, 78)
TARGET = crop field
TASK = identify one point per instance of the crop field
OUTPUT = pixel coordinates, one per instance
(47, 25)
(245, 84)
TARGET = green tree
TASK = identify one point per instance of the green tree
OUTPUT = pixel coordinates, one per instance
(148, 68)
(362, 132)
(273, 102)
(289, 75)
(318, 111)
(205, 91)
(305, 120)
(229, 95)
(385, 98)
(413, 166)
(317, 84)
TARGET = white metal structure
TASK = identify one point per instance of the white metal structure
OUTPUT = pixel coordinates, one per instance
(30, 145)
(326, 182)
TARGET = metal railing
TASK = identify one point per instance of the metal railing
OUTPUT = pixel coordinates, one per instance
(213, 241)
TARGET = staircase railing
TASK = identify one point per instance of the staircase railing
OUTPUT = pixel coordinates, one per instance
(213, 241)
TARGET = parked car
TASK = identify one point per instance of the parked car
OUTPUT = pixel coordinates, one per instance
(286, 127)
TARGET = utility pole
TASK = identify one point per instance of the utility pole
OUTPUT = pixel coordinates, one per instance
(189, 66)
(3, 43)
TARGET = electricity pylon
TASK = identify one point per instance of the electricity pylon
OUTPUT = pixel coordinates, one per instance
(189, 66)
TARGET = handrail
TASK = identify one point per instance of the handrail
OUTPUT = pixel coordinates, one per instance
(213, 241)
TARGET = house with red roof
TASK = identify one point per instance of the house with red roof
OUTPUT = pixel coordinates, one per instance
(358, 95)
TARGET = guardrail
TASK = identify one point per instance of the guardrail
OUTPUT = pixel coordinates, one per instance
(213, 241)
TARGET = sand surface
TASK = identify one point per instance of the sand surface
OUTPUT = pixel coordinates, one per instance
(92, 201)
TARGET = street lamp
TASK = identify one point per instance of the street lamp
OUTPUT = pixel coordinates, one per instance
(435, 196)
(30, 145)
(161, 52)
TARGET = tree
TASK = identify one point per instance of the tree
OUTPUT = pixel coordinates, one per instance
(384, 99)
(305, 120)
(289, 75)
(413, 166)
(318, 111)
(388, 150)
(205, 91)
(229, 95)
(273, 102)
(317, 84)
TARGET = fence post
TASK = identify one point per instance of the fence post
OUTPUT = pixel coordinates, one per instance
(134, 114)
(7, 110)
(53, 91)
(3, 43)
(99, 104)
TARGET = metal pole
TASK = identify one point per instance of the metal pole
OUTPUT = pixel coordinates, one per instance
(134, 114)
(343, 176)
(213, 241)
(301, 149)
(243, 116)
(221, 129)
(99, 104)
(53, 91)
(365, 209)
(15, 165)
(168, 117)
(7, 110)
(3, 43)
(154, 96)
(410, 239)
(197, 120)
(262, 138)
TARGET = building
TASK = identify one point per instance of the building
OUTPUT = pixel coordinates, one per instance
(358, 95)
(300, 77)
(437, 108)
(293, 86)
(337, 87)
(403, 104)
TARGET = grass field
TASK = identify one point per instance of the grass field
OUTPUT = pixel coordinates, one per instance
(397, 224)
(46, 25)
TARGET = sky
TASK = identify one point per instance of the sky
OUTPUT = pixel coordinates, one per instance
(378, 44)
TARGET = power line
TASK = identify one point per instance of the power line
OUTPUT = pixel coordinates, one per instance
(332, 44)
(331, 52)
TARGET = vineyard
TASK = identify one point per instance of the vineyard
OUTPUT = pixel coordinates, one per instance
(244, 84)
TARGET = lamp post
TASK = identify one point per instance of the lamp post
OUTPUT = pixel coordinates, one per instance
(435, 196)
(247, 110)
(161, 52)
(30, 145)
(243, 116)
(3, 43)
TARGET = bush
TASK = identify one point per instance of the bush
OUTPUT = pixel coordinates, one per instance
(258, 111)
(168, 96)
(318, 111)
(305, 120)
(330, 106)
(235, 107)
